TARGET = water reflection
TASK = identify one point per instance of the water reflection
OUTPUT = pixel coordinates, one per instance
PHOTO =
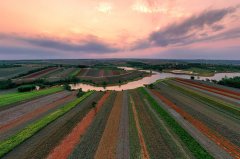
(148, 80)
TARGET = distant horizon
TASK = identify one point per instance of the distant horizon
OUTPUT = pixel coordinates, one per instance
(120, 59)
(171, 29)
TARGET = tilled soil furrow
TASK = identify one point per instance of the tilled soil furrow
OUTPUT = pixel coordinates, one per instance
(65, 148)
(41, 144)
(36, 112)
(232, 149)
(123, 143)
(144, 151)
(229, 128)
(88, 145)
(108, 145)
(224, 92)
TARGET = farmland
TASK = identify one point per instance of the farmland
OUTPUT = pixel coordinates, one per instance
(109, 76)
(171, 118)
(127, 124)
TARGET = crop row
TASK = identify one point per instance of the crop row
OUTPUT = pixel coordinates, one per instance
(213, 135)
(10, 143)
(210, 89)
(218, 121)
(208, 100)
(90, 141)
(65, 148)
(12, 98)
(197, 150)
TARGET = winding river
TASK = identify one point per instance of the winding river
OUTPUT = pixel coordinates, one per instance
(147, 80)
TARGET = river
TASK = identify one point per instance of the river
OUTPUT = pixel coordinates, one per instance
(147, 80)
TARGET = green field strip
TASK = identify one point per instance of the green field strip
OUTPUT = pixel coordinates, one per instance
(207, 100)
(13, 141)
(74, 73)
(197, 150)
(134, 143)
(12, 98)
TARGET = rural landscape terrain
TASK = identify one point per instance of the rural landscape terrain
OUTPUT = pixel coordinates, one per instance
(120, 79)
(42, 117)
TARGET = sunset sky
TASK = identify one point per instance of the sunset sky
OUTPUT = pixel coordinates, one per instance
(176, 29)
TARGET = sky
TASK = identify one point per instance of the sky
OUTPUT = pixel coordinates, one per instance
(159, 29)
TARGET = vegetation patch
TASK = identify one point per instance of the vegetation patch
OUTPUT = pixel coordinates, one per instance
(13, 141)
(197, 150)
(12, 98)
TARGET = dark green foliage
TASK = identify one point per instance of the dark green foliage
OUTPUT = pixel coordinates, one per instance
(26, 88)
(231, 82)
(67, 87)
(178, 65)
(7, 84)
(9, 65)
(80, 93)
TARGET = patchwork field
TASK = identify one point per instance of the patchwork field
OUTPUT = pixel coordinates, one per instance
(175, 119)
(108, 76)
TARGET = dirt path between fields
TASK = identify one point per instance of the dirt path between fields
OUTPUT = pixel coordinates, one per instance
(123, 142)
(144, 151)
(67, 145)
(209, 145)
(108, 145)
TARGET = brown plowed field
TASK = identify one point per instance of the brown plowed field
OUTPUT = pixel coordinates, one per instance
(123, 143)
(108, 145)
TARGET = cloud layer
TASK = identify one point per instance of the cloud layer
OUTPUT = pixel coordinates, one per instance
(191, 30)
(91, 45)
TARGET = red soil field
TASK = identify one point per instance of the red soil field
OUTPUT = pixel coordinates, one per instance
(39, 73)
(220, 91)
(67, 145)
(232, 149)
(144, 151)
(34, 113)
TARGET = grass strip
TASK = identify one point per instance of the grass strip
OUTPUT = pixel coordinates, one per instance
(13, 141)
(18, 97)
(208, 100)
(74, 73)
(197, 150)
